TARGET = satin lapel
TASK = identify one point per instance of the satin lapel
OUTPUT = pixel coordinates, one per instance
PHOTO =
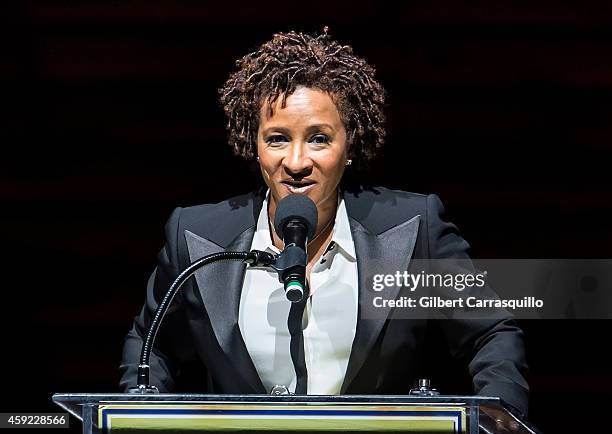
(220, 286)
(385, 253)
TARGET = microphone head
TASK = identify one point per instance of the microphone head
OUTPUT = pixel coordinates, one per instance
(296, 206)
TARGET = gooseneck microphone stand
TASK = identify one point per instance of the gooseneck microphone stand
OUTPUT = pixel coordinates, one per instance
(281, 263)
(254, 258)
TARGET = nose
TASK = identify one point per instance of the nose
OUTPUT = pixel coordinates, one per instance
(297, 162)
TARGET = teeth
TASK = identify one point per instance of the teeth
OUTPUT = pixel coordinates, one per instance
(297, 188)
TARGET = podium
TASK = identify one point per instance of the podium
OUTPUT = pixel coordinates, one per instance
(178, 413)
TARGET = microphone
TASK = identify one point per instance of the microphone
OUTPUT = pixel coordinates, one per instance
(295, 222)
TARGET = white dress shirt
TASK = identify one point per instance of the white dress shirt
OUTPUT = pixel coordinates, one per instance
(330, 316)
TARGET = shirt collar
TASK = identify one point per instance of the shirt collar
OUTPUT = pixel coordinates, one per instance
(341, 235)
(342, 230)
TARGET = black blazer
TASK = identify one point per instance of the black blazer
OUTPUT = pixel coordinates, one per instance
(389, 228)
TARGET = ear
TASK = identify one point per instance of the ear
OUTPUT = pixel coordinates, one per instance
(350, 145)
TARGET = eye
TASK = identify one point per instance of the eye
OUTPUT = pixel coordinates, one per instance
(276, 139)
(320, 138)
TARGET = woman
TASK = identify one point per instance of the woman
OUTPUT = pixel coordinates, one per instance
(306, 109)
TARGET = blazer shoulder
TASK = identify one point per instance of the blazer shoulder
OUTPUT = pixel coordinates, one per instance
(220, 222)
(380, 208)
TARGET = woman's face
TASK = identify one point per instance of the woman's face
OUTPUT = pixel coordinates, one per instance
(302, 148)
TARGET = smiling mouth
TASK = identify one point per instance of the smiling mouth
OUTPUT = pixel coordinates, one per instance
(298, 186)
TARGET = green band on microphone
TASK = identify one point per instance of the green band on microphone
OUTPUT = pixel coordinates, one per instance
(293, 285)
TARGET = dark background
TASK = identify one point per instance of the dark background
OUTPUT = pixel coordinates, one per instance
(110, 120)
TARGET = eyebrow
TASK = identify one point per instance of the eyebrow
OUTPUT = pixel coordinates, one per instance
(310, 128)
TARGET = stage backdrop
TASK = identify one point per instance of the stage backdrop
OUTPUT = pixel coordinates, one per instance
(111, 120)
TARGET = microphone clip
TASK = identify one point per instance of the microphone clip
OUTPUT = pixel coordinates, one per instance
(288, 258)
(281, 263)
(288, 266)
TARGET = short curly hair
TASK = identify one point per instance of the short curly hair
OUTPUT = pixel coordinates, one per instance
(296, 59)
